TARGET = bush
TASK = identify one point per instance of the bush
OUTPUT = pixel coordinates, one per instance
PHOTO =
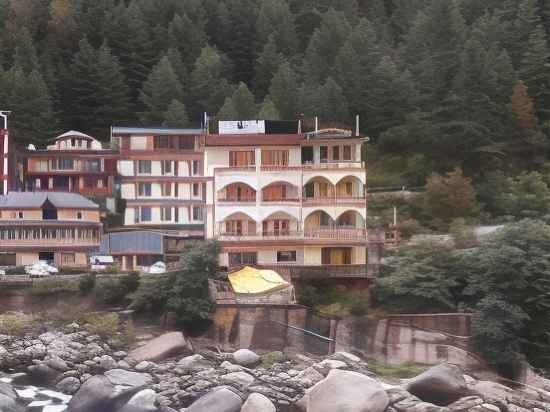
(87, 283)
(16, 324)
(114, 291)
(463, 235)
(64, 312)
(45, 287)
(104, 325)
(151, 295)
(18, 270)
(72, 270)
(410, 227)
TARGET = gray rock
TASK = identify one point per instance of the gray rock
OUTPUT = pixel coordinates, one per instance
(194, 363)
(55, 362)
(486, 407)
(68, 385)
(257, 402)
(240, 379)
(162, 347)
(106, 362)
(346, 391)
(221, 400)
(42, 375)
(308, 377)
(245, 357)
(128, 378)
(331, 364)
(8, 404)
(465, 404)
(99, 394)
(230, 367)
(441, 385)
(144, 366)
(7, 390)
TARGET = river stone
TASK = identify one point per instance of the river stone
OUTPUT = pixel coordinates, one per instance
(194, 363)
(42, 375)
(7, 404)
(68, 385)
(162, 347)
(128, 378)
(309, 377)
(7, 390)
(99, 394)
(241, 379)
(221, 400)
(441, 385)
(346, 391)
(491, 390)
(245, 357)
(257, 402)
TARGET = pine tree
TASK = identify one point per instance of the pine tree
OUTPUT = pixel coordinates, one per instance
(266, 65)
(276, 23)
(241, 105)
(63, 33)
(188, 37)
(174, 56)
(160, 89)
(327, 102)
(176, 115)
(208, 82)
(284, 91)
(268, 111)
(25, 53)
(28, 98)
(523, 108)
(535, 71)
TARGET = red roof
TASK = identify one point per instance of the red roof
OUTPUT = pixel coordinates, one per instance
(254, 139)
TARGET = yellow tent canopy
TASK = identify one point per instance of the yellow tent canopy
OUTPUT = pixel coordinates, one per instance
(251, 280)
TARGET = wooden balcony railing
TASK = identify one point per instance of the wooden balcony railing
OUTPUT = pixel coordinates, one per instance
(281, 200)
(237, 200)
(319, 271)
(333, 200)
(87, 191)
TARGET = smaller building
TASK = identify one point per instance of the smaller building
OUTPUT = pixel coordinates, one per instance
(74, 162)
(59, 228)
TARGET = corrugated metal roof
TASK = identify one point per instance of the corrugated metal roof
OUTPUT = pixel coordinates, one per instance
(153, 130)
(254, 139)
(60, 200)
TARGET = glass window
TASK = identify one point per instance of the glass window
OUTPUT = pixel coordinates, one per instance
(196, 166)
(274, 157)
(166, 189)
(323, 154)
(186, 142)
(145, 214)
(144, 189)
(166, 214)
(335, 152)
(144, 167)
(79, 215)
(166, 166)
(286, 256)
(242, 158)
(197, 213)
(242, 258)
(162, 142)
(307, 154)
(347, 152)
(195, 189)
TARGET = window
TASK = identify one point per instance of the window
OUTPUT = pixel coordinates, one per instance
(144, 189)
(323, 154)
(234, 227)
(186, 142)
(307, 154)
(196, 165)
(19, 215)
(144, 167)
(37, 183)
(92, 165)
(347, 152)
(274, 157)
(67, 259)
(196, 189)
(162, 142)
(79, 215)
(335, 152)
(166, 214)
(136, 215)
(63, 164)
(197, 213)
(166, 167)
(286, 256)
(145, 214)
(242, 158)
(323, 189)
(349, 188)
(325, 219)
(242, 258)
(166, 189)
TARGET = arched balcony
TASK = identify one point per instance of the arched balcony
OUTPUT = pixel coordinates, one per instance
(280, 224)
(350, 225)
(350, 188)
(321, 191)
(280, 192)
(237, 192)
(237, 225)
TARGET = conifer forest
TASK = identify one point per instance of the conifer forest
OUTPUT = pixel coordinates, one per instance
(454, 83)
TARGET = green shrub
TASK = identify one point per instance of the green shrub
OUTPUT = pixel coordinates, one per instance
(104, 325)
(16, 324)
(45, 287)
(115, 290)
(71, 270)
(151, 296)
(18, 270)
(87, 283)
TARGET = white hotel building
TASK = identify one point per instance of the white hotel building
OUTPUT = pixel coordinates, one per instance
(295, 201)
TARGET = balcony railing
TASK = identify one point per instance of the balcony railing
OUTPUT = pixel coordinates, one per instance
(245, 199)
(49, 242)
(281, 200)
(320, 271)
(308, 234)
(333, 200)
(87, 191)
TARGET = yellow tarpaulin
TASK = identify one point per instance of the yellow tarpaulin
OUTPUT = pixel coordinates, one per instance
(251, 280)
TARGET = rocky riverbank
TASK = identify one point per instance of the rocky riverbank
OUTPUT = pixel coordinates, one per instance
(166, 374)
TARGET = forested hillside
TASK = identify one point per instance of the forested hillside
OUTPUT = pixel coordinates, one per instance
(448, 83)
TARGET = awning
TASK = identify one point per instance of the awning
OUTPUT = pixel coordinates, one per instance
(256, 281)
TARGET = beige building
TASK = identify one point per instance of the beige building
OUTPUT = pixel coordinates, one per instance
(60, 228)
(161, 178)
(295, 201)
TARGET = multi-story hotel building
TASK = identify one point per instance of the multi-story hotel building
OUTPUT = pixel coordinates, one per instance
(295, 201)
(62, 228)
(75, 162)
(162, 179)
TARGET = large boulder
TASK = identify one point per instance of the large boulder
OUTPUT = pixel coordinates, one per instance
(99, 394)
(143, 401)
(42, 375)
(8, 404)
(257, 402)
(220, 400)
(162, 347)
(68, 385)
(127, 378)
(245, 357)
(441, 385)
(346, 391)
(7, 390)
